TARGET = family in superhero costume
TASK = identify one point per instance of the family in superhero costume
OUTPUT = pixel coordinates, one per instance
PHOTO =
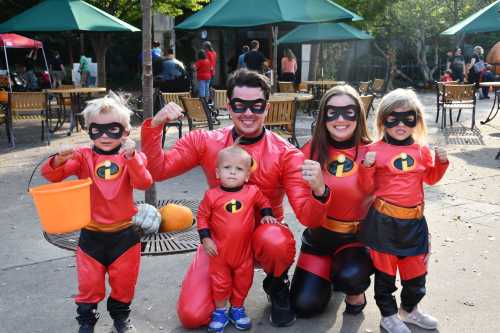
(108, 244)
(361, 203)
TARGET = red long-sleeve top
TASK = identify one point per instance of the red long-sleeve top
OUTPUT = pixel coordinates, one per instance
(113, 180)
(400, 172)
(341, 174)
(276, 166)
(231, 219)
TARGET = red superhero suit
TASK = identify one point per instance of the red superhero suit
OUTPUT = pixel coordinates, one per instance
(108, 244)
(395, 228)
(331, 253)
(276, 170)
(228, 217)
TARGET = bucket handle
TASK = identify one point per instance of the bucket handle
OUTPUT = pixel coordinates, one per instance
(34, 170)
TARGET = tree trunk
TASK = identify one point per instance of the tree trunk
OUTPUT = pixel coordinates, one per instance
(314, 61)
(147, 78)
(100, 43)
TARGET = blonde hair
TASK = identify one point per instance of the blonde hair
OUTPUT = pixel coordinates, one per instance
(402, 98)
(479, 50)
(235, 150)
(111, 103)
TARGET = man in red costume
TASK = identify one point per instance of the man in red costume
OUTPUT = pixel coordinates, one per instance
(277, 169)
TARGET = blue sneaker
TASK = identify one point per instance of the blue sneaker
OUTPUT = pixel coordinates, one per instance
(219, 321)
(239, 318)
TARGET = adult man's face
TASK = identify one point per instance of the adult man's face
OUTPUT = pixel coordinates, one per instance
(248, 124)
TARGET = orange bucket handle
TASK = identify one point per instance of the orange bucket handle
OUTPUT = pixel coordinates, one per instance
(34, 170)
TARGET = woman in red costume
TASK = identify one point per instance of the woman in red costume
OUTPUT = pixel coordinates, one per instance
(331, 254)
(395, 170)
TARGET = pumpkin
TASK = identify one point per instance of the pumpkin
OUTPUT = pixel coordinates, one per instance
(175, 218)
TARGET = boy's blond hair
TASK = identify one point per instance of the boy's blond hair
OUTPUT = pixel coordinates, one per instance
(235, 149)
(111, 103)
(402, 98)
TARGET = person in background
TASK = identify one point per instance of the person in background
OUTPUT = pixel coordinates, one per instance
(447, 76)
(29, 73)
(254, 59)
(84, 70)
(476, 65)
(457, 65)
(57, 69)
(241, 59)
(486, 75)
(156, 51)
(211, 56)
(172, 75)
(288, 66)
(203, 74)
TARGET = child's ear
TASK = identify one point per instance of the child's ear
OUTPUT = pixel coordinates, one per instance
(126, 133)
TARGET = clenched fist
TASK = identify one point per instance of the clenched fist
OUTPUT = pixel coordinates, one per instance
(370, 158)
(64, 153)
(311, 172)
(169, 112)
(127, 148)
(441, 154)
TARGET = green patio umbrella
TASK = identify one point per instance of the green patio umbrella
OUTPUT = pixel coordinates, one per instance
(251, 13)
(70, 15)
(323, 32)
(485, 20)
(65, 15)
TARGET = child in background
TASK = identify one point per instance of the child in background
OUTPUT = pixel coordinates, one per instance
(226, 221)
(108, 244)
(447, 76)
(395, 229)
(203, 69)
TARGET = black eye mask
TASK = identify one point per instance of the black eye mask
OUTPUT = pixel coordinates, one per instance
(98, 130)
(348, 112)
(401, 117)
(243, 105)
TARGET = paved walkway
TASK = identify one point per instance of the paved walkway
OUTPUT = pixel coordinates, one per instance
(38, 280)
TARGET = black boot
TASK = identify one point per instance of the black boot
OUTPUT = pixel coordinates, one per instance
(282, 313)
(123, 326)
(119, 312)
(87, 317)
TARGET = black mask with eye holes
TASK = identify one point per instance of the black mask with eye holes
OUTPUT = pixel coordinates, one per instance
(409, 118)
(348, 112)
(257, 106)
(112, 130)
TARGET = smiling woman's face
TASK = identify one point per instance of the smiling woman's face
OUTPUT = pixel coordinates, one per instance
(341, 129)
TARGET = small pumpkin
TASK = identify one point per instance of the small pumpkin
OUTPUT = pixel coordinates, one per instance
(175, 218)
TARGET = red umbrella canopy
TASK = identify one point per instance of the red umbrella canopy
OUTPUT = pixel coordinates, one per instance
(19, 42)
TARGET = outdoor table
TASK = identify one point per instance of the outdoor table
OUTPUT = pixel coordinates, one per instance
(496, 101)
(163, 243)
(76, 101)
(301, 97)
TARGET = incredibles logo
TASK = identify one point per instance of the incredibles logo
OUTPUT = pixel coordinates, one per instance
(341, 166)
(404, 162)
(233, 206)
(107, 170)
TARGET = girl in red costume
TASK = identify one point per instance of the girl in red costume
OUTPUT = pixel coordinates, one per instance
(226, 221)
(108, 244)
(331, 253)
(395, 229)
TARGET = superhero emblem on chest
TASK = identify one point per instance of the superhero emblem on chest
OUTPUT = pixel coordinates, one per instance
(342, 166)
(403, 162)
(233, 206)
(107, 170)
(254, 165)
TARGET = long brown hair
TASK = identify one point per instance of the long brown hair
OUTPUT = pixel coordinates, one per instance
(319, 141)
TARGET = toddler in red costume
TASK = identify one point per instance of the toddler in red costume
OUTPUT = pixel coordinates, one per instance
(395, 229)
(226, 221)
(108, 244)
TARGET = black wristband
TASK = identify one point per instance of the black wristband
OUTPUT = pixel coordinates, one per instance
(204, 233)
(324, 197)
(266, 212)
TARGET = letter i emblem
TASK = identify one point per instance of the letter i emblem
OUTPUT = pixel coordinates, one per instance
(404, 161)
(340, 166)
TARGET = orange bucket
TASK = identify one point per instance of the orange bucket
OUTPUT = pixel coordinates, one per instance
(63, 206)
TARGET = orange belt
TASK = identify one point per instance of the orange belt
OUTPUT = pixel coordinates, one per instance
(405, 213)
(341, 226)
(94, 226)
